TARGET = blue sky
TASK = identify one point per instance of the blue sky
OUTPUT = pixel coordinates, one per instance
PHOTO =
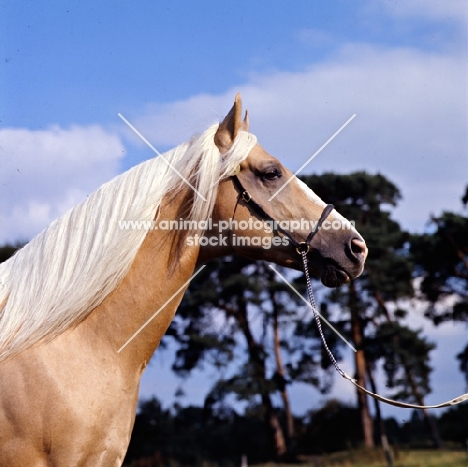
(172, 68)
(80, 63)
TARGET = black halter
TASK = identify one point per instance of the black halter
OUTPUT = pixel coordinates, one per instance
(300, 246)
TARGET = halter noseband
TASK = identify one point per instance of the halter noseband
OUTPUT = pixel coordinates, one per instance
(300, 246)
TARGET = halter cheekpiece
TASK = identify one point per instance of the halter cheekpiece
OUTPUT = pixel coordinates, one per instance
(303, 246)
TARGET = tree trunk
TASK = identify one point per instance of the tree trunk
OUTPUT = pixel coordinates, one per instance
(360, 365)
(429, 421)
(281, 374)
(257, 359)
(379, 422)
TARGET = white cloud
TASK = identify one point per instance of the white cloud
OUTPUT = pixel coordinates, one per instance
(452, 10)
(45, 172)
(410, 126)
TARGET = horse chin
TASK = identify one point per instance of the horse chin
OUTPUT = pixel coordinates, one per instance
(332, 276)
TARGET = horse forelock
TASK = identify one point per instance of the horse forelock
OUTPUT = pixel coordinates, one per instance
(58, 278)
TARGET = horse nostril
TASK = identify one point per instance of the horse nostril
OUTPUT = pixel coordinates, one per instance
(358, 248)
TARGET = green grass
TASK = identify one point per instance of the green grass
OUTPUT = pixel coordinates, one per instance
(377, 459)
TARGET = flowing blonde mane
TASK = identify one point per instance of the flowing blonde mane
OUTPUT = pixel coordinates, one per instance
(57, 279)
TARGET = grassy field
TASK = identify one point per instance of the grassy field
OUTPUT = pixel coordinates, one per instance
(377, 459)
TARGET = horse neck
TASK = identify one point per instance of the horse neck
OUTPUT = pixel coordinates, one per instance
(152, 280)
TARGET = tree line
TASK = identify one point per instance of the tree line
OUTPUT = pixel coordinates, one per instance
(240, 319)
(205, 436)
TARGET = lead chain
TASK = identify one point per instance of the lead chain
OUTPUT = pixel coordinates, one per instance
(316, 314)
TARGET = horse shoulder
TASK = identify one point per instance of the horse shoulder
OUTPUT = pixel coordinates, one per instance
(62, 391)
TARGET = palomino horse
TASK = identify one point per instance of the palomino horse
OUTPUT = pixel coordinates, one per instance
(72, 297)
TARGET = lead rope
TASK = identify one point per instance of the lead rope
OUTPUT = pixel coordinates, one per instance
(310, 293)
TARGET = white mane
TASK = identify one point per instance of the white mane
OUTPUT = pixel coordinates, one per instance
(67, 270)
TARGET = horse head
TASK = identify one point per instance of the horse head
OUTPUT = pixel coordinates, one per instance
(264, 212)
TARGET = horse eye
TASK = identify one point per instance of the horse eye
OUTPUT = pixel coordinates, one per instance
(271, 174)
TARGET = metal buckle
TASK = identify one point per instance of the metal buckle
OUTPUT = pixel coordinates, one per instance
(245, 196)
(303, 247)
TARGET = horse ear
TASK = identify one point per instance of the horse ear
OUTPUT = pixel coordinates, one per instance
(231, 125)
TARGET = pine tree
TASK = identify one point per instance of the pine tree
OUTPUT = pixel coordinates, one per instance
(237, 316)
(366, 200)
(8, 250)
(441, 256)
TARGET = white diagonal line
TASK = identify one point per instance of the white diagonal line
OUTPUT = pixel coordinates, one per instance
(160, 155)
(159, 310)
(310, 306)
(310, 158)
